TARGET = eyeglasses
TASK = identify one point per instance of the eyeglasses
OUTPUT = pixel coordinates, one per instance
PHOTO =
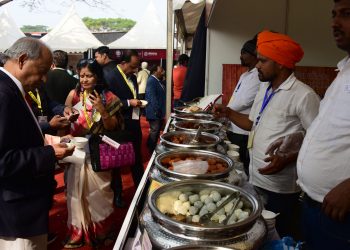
(87, 61)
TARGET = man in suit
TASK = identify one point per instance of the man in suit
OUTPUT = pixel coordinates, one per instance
(155, 109)
(122, 82)
(26, 164)
(59, 81)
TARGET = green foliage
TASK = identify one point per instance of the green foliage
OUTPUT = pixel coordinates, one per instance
(35, 28)
(108, 24)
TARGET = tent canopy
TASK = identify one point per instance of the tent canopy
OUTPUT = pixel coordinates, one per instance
(71, 35)
(9, 31)
(148, 33)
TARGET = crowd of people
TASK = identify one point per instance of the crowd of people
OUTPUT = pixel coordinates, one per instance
(293, 145)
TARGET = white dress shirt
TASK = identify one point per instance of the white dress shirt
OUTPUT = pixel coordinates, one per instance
(243, 96)
(293, 107)
(324, 158)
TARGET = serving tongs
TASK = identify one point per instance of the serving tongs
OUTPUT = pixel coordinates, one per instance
(235, 204)
(195, 139)
(204, 219)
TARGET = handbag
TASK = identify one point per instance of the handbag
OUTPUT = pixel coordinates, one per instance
(105, 157)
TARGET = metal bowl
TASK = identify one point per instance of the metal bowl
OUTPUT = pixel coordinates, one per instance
(182, 110)
(194, 153)
(193, 116)
(204, 232)
(193, 125)
(206, 140)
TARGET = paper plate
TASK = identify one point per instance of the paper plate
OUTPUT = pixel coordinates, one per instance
(143, 103)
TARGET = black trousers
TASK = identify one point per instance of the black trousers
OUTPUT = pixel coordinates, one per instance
(155, 127)
(241, 141)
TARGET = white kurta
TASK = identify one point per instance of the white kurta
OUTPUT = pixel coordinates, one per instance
(324, 158)
(293, 107)
(243, 96)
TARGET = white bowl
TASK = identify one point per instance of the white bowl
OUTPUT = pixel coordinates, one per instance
(79, 142)
(234, 155)
(233, 147)
(143, 103)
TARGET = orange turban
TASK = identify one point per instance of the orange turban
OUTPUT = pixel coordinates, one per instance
(279, 48)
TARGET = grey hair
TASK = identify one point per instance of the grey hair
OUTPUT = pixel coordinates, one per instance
(26, 45)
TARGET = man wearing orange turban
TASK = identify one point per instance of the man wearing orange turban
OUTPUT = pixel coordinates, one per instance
(282, 104)
(279, 48)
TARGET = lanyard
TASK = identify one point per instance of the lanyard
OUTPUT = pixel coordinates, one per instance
(158, 82)
(130, 84)
(267, 99)
(95, 116)
(239, 85)
(36, 99)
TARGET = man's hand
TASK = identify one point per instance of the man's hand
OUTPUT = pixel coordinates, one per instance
(135, 103)
(68, 111)
(336, 204)
(62, 151)
(58, 122)
(221, 110)
(277, 163)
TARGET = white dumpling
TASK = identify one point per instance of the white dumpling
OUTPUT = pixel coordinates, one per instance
(193, 198)
(183, 210)
(238, 212)
(240, 205)
(221, 211)
(208, 200)
(183, 197)
(211, 207)
(228, 207)
(198, 204)
(186, 204)
(203, 211)
(243, 215)
(215, 195)
(203, 197)
(193, 210)
(177, 205)
(195, 218)
(222, 218)
(232, 219)
(204, 192)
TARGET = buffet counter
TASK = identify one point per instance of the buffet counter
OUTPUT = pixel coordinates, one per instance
(141, 231)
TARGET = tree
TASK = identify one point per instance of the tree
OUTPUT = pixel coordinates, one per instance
(108, 24)
(35, 28)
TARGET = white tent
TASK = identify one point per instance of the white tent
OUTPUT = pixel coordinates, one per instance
(148, 33)
(9, 31)
(71, 35)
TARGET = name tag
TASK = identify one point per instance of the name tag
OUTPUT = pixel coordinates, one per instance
(110, 142)
(42, 119)
(136, 113)
(250, 139)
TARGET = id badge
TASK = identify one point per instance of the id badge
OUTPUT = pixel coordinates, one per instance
(136, 113)
(42, 119)
(250, 139)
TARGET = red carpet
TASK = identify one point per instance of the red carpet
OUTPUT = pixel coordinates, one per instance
(58, 214)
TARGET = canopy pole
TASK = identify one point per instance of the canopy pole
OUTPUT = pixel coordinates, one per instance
(169, 55)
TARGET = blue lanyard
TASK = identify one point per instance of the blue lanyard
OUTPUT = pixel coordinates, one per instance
(239, 85)
(267, 99)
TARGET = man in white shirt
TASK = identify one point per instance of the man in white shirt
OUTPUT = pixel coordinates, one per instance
(243, 97)
(142, 77)
(283, 104)
(323, 161)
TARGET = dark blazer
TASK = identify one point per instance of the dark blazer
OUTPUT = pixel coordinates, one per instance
(120, 88)
(58, 85)
(26, 167)
(155, 96)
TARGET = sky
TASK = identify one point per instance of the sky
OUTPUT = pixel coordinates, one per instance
(51, 12)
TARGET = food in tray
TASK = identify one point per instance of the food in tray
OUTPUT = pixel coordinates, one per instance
(186, 139)
(195, 125)
(188, 207)
(192, 109)
(214, 165)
